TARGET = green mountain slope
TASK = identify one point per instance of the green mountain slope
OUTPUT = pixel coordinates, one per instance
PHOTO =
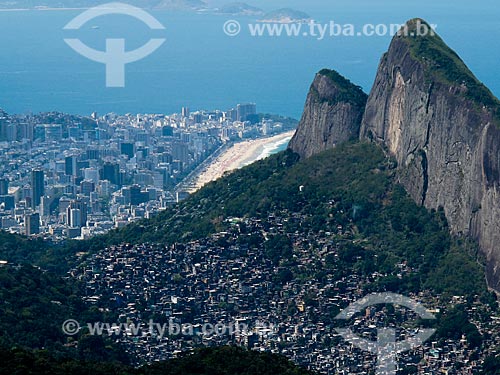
(444, 63)
(358, 178)
(348, 92)
(34, 305)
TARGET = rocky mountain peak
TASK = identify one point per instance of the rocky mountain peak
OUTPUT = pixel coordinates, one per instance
(332, 114)
(441, 124)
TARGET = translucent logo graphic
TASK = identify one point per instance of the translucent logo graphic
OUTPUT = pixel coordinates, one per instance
(115, 57)
(386, 347)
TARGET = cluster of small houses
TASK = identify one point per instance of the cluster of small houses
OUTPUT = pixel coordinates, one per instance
(200, 293)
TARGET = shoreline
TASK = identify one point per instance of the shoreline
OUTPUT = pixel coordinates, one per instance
(240, 155)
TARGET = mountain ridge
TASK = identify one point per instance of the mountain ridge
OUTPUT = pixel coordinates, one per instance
(441, 124)
(285, 15)
(240, 9)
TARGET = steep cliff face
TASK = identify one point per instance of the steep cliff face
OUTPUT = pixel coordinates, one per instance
(442, 125)
(332, 114)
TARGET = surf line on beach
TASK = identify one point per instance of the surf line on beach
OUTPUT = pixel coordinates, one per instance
(242, 154)
(271, 148)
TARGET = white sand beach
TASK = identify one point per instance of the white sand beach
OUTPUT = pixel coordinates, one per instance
(242, 154)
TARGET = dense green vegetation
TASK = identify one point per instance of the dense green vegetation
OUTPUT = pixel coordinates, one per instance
(445, 64)
(34, 305)
(22, 250)
(455, 323)
(219, 361)
(27, 295)
(491, 366)
(347, 91)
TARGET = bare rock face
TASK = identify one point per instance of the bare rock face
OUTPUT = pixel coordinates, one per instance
(443, 127)
(332, 114)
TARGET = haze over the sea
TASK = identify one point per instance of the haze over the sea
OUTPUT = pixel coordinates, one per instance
(201, 67)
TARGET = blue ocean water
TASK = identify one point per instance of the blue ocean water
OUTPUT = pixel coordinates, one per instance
(201, 67)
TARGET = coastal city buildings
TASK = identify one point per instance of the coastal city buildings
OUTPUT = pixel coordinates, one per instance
(68, 176)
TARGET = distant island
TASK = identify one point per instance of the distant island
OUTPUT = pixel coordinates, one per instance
(286, 15)
(78, 4)
(240, 9)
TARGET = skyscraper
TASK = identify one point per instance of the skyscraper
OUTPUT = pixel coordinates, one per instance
(76, 214)
(75, 218)
(111, 172)
(37, 186)
(87, 187)
(70, 165)
(136, 196)
(245, 110)
(32, 224)
(180, 151)
(4, 123)
(197, 118)
(232, 114)
(4, 186)
(127, 148)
